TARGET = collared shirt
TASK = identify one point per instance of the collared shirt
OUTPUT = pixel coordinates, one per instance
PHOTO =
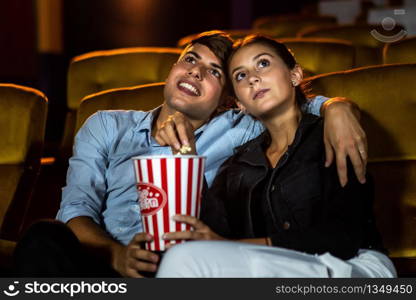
(101, 180)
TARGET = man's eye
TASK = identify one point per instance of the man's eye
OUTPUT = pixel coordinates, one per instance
(190, 59)
(263, 63)
(215, 72)
(240, 76)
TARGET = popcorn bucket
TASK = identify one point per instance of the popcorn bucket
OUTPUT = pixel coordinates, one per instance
(168, 185)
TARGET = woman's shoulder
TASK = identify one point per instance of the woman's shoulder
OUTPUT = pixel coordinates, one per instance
(252, 144)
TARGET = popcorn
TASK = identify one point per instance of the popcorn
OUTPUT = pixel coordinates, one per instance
(185, 149)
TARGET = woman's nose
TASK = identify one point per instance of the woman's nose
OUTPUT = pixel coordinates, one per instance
(254, 79)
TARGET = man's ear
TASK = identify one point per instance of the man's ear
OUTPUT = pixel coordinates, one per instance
(296, 75)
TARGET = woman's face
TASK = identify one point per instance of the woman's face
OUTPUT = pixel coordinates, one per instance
(261, 80)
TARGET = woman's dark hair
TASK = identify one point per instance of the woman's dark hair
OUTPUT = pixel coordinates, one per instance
(281, 50)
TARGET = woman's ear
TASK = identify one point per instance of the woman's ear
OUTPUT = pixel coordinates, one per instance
(296, 75)
(241, 106)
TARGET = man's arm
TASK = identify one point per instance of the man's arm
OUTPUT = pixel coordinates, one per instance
(83, 200)
(127, 260)
(344, 135)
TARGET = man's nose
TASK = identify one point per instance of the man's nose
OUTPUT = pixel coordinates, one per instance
(196, 72)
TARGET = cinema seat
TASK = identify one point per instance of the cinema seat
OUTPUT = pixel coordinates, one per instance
(321, 55)
(368, 48)
(142, 97)
(289, 25)
(402, 51)
(388, 115)
(22, 127)
(102, 70)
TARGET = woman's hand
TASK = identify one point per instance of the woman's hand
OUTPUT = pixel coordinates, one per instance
(200, 232)
(131, 259)
(176, 131)
(344, 134)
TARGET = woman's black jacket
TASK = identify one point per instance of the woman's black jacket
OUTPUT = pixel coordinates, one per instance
(310, 211)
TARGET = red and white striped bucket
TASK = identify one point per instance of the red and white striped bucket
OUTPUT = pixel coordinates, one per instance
(168, 185)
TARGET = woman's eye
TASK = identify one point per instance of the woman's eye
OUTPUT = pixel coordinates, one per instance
(190, 59)
(215, 72)
(263, 63)
(240, 76)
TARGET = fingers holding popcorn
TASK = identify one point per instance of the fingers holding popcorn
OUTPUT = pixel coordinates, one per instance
(177, 132)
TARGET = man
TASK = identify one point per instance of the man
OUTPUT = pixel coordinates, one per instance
(99, 202)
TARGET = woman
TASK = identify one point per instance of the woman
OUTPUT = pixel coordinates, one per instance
(286, 214)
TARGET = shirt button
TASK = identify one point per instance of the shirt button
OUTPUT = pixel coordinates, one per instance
(286, 225)
(273, 187)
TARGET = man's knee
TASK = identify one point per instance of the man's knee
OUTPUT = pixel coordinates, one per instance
(48, 248)
(46, 232)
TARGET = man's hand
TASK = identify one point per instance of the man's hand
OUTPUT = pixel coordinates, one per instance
(131, 259)
(344, 134)
(200, 232)
(176, 131)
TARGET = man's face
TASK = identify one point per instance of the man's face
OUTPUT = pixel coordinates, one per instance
(195, 83)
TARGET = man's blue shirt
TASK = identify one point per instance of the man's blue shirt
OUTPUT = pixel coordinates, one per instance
(100, 179)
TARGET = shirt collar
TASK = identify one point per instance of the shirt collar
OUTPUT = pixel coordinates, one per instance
(145, 124)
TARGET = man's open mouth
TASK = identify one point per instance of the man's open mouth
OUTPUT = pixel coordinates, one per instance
(188, 88)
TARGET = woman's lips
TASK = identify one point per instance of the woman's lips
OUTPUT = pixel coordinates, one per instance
(260, 94)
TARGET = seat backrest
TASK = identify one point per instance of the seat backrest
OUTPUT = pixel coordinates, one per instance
(98, 71)
(22, 123)
(290, 25)
(388, 107)
(363, 37)
(321, 55)
(23, 114)
(403, 51)
(102, 70)
(360, 35)
(142, 97)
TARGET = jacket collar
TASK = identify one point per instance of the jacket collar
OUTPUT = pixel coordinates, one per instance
(252, 152)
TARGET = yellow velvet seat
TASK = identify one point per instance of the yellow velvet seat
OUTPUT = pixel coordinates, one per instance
(388, 115)
(402, 51)
(368, 48)
(289, 25)
(321, 55)
(142, 97)
(22, 125)
(102, 70)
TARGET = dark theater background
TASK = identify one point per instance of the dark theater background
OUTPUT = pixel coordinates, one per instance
(39, 38)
